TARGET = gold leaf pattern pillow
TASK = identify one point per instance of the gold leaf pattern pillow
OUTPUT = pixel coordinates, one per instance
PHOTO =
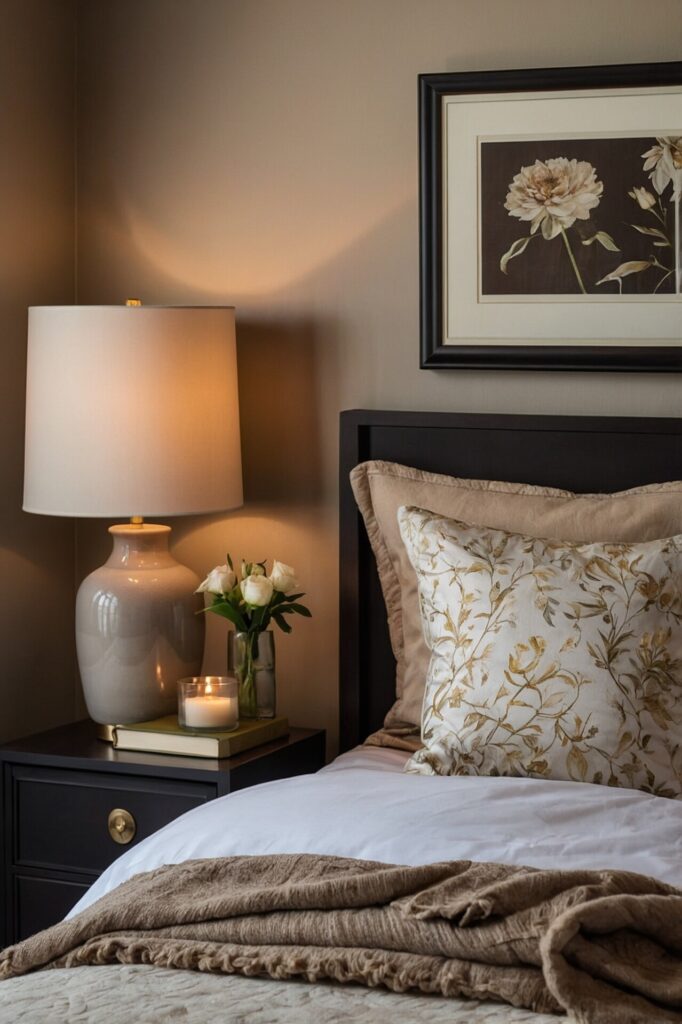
(549, 659)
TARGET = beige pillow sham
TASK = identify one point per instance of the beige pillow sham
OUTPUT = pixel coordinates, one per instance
(549, 659)
(380, 488)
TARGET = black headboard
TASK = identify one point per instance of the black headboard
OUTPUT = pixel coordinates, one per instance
(579, 453)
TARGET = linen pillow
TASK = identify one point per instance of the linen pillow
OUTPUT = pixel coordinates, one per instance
(380, 488)
(549, 659)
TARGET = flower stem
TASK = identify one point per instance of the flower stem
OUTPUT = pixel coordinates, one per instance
(246, 674)
(572, 259)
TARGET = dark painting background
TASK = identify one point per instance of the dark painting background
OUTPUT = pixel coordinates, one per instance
(544, 268)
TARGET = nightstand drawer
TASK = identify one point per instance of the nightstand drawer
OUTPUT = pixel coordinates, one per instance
(41, 902)
(61, 818)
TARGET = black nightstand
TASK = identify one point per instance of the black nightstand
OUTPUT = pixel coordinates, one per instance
(57, 792)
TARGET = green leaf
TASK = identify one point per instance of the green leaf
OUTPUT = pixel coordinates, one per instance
(515, 249)
(229, 562)
(297, 609)
(282, 623)
(604, 239)
(228, 612)
(257, 616)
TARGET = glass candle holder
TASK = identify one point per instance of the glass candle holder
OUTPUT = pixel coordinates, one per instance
(208, 703)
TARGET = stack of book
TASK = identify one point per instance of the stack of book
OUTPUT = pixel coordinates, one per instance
(165, 736)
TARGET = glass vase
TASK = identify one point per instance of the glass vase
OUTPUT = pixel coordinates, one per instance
(251, 658)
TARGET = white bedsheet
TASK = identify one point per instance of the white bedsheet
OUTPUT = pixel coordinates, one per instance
(362, 805)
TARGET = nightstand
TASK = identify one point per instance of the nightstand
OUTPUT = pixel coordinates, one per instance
(58, 790)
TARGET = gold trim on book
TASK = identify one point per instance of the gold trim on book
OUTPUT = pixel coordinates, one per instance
(105, 732)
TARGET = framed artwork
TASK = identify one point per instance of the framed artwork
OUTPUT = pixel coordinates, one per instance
(550, 220)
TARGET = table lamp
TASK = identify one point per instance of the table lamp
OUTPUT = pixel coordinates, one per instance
(132, 411)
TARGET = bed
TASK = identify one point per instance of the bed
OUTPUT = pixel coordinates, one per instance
(363, 806)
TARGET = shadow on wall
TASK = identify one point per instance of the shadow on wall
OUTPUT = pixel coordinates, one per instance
(278, 411)
(280, 431)
(36, 627)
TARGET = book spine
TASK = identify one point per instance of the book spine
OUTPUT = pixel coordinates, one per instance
(203, 746)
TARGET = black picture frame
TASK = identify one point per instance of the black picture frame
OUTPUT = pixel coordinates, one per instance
(434, 353)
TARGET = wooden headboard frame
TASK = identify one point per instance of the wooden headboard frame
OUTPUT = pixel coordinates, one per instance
(585, 454)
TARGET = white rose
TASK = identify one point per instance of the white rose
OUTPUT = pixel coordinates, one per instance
(256, 590)
(283, 577)
(252, 569)
(220, 580)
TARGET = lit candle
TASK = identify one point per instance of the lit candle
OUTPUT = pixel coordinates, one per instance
(210, 706)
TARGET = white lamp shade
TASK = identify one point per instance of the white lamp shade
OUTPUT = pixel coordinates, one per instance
(131, 411)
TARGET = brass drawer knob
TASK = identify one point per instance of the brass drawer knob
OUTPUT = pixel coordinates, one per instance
(122, 827)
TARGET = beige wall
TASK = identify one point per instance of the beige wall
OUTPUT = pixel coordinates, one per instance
(264, 153)
(37, 679)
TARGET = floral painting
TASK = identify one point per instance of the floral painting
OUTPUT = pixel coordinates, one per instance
(597, 218)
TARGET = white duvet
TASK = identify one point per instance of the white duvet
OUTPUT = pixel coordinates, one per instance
(362, 805)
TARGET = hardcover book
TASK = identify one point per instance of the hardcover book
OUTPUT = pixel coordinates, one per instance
(165, 736)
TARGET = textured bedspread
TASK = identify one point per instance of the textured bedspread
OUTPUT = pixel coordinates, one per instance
(135, 994)
(606, 946)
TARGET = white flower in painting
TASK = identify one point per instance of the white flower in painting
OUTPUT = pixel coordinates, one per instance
(664, 160)
(643, 198)
(553, 194)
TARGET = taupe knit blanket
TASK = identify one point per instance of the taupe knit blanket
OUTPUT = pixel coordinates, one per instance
(604, 945)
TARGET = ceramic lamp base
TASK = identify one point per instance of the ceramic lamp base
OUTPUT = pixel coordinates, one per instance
(137, 631)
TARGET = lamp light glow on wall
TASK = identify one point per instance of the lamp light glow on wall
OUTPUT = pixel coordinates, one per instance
(132, 411)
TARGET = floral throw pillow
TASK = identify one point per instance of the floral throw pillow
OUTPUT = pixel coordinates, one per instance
(549, 659)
